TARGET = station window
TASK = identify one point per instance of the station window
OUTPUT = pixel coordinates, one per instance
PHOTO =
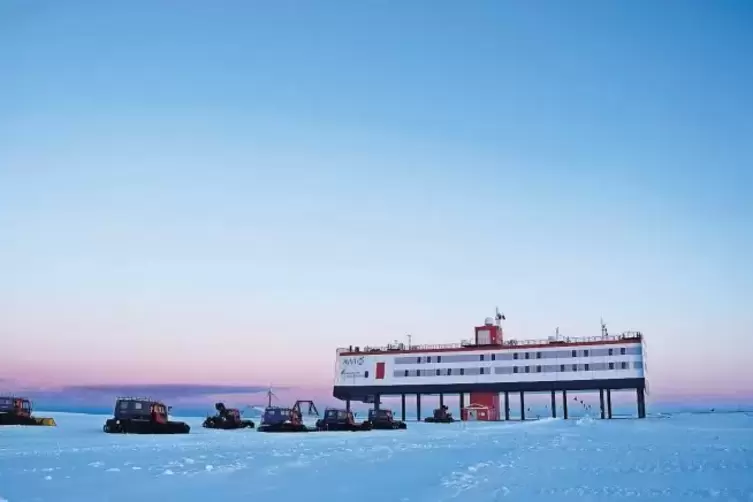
(366, 374)
(514, 369)
(494, 357)
(585, 352)
(538, 369)
(428, 359)
(406, 372)
(528, 355)
(538, 355)
(562, 368)
(481, 357)
(449, 371)
(528, 369)
(624, 365)
(418, 359)
(575, 367)
(611, 352)
(515, 355)
(622, 351)
(439, 372)
(439, 359)
(586, 367)
(462, 371)
(575, 354)
(481, 371)
(611, 365)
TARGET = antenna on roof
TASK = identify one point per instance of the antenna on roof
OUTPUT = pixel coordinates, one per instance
(604, 332)
(499, 316)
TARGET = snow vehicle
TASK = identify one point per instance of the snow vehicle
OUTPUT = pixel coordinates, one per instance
(336, 419)
(226, 418)
(17, 411)
(135, 415)
(441, 416)
(383, 419)
(278, 419)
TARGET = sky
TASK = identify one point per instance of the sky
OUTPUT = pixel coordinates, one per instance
(222, 193)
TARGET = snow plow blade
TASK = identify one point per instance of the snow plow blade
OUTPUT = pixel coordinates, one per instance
(46, 421)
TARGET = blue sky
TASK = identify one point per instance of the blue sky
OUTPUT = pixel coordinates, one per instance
(237, 188)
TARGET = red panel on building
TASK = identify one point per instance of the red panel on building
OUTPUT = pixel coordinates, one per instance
(380, 371)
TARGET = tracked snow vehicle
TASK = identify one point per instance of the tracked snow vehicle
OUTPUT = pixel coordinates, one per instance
(278, 419)
(384, 420)
(336, 419)
(441, 416)
(227, 418)
(17, 411)
(142, 416)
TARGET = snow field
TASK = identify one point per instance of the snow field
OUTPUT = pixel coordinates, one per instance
(684, 458)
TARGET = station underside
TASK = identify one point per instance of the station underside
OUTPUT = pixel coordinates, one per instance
(361, 393)
(373, 393)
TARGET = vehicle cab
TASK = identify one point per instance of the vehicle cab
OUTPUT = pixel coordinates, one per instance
(381, 416)
(274, 415)
(15, 406)
(333, 415)
(140, 409)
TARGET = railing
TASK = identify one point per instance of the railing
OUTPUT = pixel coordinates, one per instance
(135, 398)
(401, 347)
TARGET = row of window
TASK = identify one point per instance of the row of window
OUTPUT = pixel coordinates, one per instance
(514, 356)
(509, 370)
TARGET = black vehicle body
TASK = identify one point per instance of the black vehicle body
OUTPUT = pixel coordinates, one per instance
(441, 416)
(278, 419)
(142, 416)
(227, 418)
(336, 419)
(384, 420)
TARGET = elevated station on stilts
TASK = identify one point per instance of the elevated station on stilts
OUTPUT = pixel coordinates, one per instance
(490, 368)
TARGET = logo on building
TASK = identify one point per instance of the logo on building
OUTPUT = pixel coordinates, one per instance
(353, 361)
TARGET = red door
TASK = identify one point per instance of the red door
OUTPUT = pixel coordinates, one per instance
(380, 371)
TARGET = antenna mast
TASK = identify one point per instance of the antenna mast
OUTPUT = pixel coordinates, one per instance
(604, 332)
(270, 395)
(410, 344)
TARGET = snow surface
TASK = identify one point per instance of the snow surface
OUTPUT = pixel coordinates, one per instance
(681, 457)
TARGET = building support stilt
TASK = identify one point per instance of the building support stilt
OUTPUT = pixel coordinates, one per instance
(554, 405)
(601, 402)
(564, 404)
(609, 403)
(522, 406)
(641, 402)
(507, 405)
(418, 407)
(402, 406)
